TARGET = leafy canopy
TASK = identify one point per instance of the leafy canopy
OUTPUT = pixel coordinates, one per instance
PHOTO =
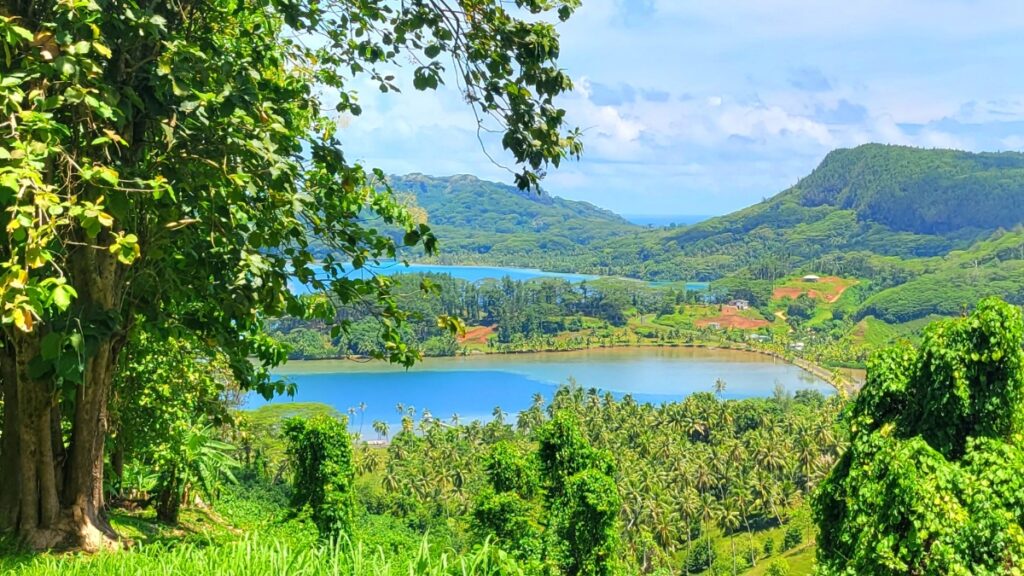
(933, 482)
(192, 141)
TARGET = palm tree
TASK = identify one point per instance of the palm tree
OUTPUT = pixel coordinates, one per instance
(719, 387)
(381, 428)
(391, 480)
(729, 520)
(709, 512)
(688, 503)
(499, 415)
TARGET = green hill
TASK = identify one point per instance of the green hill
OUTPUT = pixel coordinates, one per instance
(473, 217)
(874, 211)
(887, 200)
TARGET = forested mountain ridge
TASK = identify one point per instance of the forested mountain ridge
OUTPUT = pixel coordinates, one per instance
(890, 200)
(858, 206)
(475, 216)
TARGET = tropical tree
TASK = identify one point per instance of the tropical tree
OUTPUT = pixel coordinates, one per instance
(932, 482)
(173, 164)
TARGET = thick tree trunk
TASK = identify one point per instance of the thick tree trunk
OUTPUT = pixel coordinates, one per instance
(168, 504)
(39, 502)
(98, 286)
(51, 497)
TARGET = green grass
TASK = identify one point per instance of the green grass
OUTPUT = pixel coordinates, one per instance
(876, 333)
(258, 556)
(251, 532)
(800, 561)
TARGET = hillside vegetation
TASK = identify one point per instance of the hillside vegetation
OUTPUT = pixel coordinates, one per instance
(885, 200)
(476, 217)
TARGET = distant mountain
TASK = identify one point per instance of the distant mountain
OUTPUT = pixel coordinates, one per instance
(889, 200)
(474, 218)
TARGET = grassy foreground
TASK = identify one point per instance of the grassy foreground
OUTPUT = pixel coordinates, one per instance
(253, 556)
(249, 533)
(246, 534)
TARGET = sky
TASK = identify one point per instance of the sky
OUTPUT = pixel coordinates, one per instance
(701, 107)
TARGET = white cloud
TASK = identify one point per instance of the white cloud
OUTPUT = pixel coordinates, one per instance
(749, 96)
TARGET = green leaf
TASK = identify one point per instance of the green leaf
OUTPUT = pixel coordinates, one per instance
(62, 296)
(51, 345)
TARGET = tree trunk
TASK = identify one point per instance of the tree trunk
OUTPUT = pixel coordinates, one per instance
(83, 493)
(98, 285)
(51, 497)
(168, 501)
(30, 504)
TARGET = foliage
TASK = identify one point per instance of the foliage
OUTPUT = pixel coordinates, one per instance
(272, 557)
(769, 546)
(177, 165)
(778, 567)
(582, 499)
(682, 473)
(522, 314)
(793, 537)
(701, 556)
(320, 452)
(508, 512)
(170, 394)
(931, 483)
(994, 267)
(476, 217)
(201, 462)
(862, 212)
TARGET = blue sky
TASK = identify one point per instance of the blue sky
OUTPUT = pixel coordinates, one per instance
(704, 107)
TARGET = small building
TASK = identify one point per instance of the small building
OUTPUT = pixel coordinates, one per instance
(760, 337)
(740, 304)
(811, 278)
(798, 346)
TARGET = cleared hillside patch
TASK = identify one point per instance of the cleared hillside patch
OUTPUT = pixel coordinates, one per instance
(827, 289)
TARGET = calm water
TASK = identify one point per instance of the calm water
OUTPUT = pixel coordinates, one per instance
(476, 274)
(472, 386)
(469, 273)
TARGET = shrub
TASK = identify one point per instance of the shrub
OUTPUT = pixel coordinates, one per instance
(701, 556)
(320, 454)
(931, 482)
(582, 499)
(793, 537)
(778, 567)
(769, 547)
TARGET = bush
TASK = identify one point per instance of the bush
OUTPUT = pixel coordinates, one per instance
(778, 567)
(582, 499)
(793, 537)
(769, 547)
(701, 556)
(320, 454)
(935, 436)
